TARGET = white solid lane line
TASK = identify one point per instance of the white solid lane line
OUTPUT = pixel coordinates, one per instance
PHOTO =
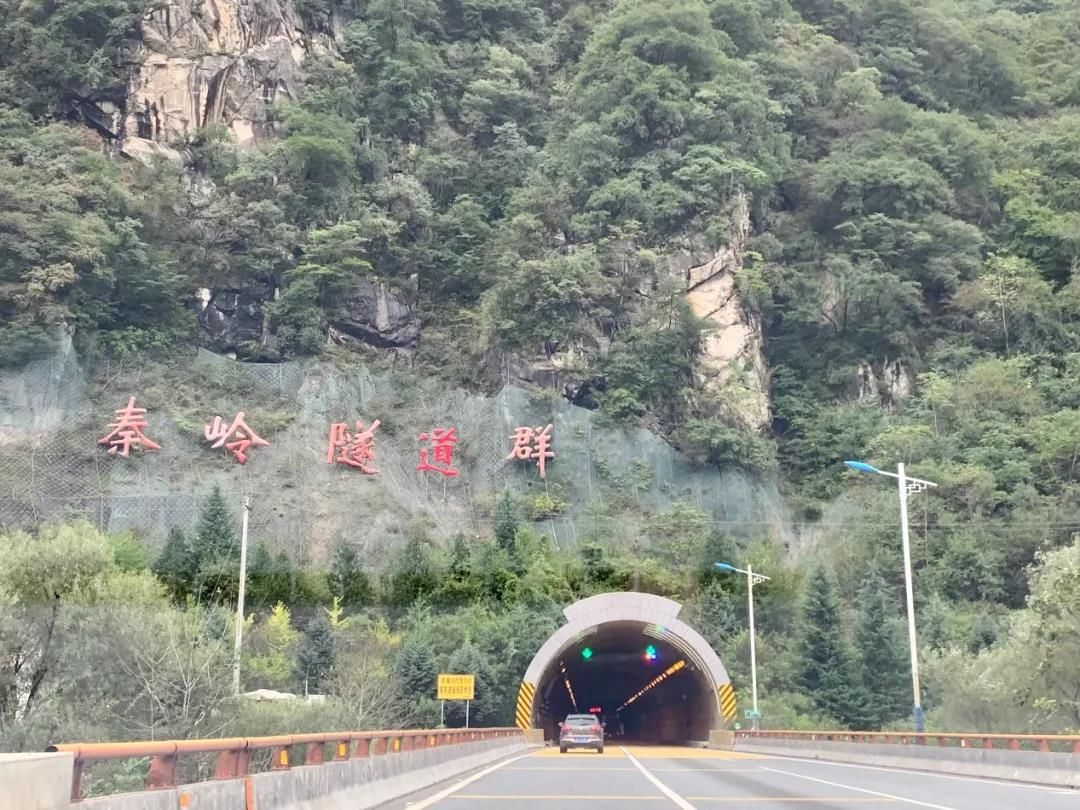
(450, 791)
(682, 803)
(891, 796)
(934, 774)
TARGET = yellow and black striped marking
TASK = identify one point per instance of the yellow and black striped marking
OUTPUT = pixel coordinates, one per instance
(727, 701)
(524, 712)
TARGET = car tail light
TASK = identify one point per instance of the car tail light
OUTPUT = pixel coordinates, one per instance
(596, 729)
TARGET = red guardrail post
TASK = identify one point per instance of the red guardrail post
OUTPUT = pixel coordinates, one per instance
(1043, 746)
(363, 747)
(162, 773)
(76, 780)
(232, 764)
(279, 758)
(314, 754)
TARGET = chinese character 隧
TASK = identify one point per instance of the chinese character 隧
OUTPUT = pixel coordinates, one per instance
(354, 449)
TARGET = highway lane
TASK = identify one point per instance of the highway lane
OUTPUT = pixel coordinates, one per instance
(669, 777)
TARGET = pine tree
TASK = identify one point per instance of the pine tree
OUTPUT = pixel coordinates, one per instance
(348, 581)
(215, 538)
(506, 522)
(828, 675)
(459, 555)
(719, 547)
(216, 552)
(316, 656)
(719, 622)
(175, 566)
(877, 637)
(416, 668)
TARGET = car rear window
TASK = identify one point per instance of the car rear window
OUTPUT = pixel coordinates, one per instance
(579, 720)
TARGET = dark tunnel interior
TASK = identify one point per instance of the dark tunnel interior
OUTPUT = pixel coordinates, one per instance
(644, 688)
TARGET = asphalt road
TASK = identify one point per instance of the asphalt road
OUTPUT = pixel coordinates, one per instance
(665, 777)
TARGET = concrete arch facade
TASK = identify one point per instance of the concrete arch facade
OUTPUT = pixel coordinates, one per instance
(659, 618)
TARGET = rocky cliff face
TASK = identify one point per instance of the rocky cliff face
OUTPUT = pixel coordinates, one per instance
(734, 366)
(204, 62)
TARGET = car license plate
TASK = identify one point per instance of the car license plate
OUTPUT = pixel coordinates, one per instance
(581, 739)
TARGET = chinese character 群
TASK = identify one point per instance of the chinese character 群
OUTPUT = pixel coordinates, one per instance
(532, 444)
(242, 436)
(354, 449)
(442, 451)
(127, 431)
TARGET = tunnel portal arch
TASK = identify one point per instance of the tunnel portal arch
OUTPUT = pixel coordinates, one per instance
(652, 616)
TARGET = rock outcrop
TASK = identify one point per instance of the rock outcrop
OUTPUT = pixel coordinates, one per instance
(203, 62)
(887, 384)
(233, 320)
(733, 366)
(377, 315)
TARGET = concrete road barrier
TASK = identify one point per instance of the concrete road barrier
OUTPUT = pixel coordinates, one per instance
(1038, 767)
(35, 781)
(352, 784)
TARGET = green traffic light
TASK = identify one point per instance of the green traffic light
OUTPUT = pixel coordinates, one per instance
(650, 652)
(586, 653)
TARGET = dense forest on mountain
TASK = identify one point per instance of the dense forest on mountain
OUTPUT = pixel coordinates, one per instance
(912, 170)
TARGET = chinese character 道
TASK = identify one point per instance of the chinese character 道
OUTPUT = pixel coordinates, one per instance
(353, 449)
(242, 436)
(127, 431)
(533, 444)
(442, 451)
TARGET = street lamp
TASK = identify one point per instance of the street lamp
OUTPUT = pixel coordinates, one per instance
(906, 487)
(751, 580)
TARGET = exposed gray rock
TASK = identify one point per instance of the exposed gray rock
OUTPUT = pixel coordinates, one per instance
(233, 320)
(888, 383)
(203, 62)
(378, 316)
(733, 365)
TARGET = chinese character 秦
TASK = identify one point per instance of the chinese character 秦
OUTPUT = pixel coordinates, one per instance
(127, 431)
(242, 436)
(354, 449)
(442, 450)
(532, 444)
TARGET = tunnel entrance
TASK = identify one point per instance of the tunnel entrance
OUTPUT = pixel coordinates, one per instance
(628, 658)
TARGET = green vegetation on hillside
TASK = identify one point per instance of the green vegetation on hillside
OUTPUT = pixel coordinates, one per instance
(912, 170)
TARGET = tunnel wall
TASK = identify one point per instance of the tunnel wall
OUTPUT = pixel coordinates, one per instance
(658, 614)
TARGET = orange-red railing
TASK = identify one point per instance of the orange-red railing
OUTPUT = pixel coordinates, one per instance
(1013, 742)
(234, 753)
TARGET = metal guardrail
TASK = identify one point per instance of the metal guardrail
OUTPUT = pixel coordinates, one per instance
(1013, 742)
(234, 753)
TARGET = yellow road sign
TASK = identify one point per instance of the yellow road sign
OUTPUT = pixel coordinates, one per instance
(457, 687)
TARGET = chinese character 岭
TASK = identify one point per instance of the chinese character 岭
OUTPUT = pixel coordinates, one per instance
(127, 431)
(241, 435)
(442, 451)
(353, 449)
(532, 444)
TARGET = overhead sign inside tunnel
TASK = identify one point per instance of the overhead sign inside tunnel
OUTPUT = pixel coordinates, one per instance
(456, 687)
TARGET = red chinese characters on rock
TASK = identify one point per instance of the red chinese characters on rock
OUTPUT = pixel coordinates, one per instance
(442, 451)
(353, 448)
(127, 431)
(533, 444)
(242, 437)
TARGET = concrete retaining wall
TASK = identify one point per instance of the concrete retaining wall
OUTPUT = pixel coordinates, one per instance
(1021, 766)
(35, 781)
(350, 785)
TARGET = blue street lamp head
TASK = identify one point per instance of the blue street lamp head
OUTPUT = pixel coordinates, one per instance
(862, 466)
(724, 567)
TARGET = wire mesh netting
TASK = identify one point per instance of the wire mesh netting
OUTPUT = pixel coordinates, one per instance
(52, 467)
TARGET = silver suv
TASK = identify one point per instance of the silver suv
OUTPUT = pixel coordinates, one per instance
(581, 731)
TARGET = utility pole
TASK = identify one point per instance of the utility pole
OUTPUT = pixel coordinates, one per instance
(903, 487)
(240, 598)
(753, 651)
